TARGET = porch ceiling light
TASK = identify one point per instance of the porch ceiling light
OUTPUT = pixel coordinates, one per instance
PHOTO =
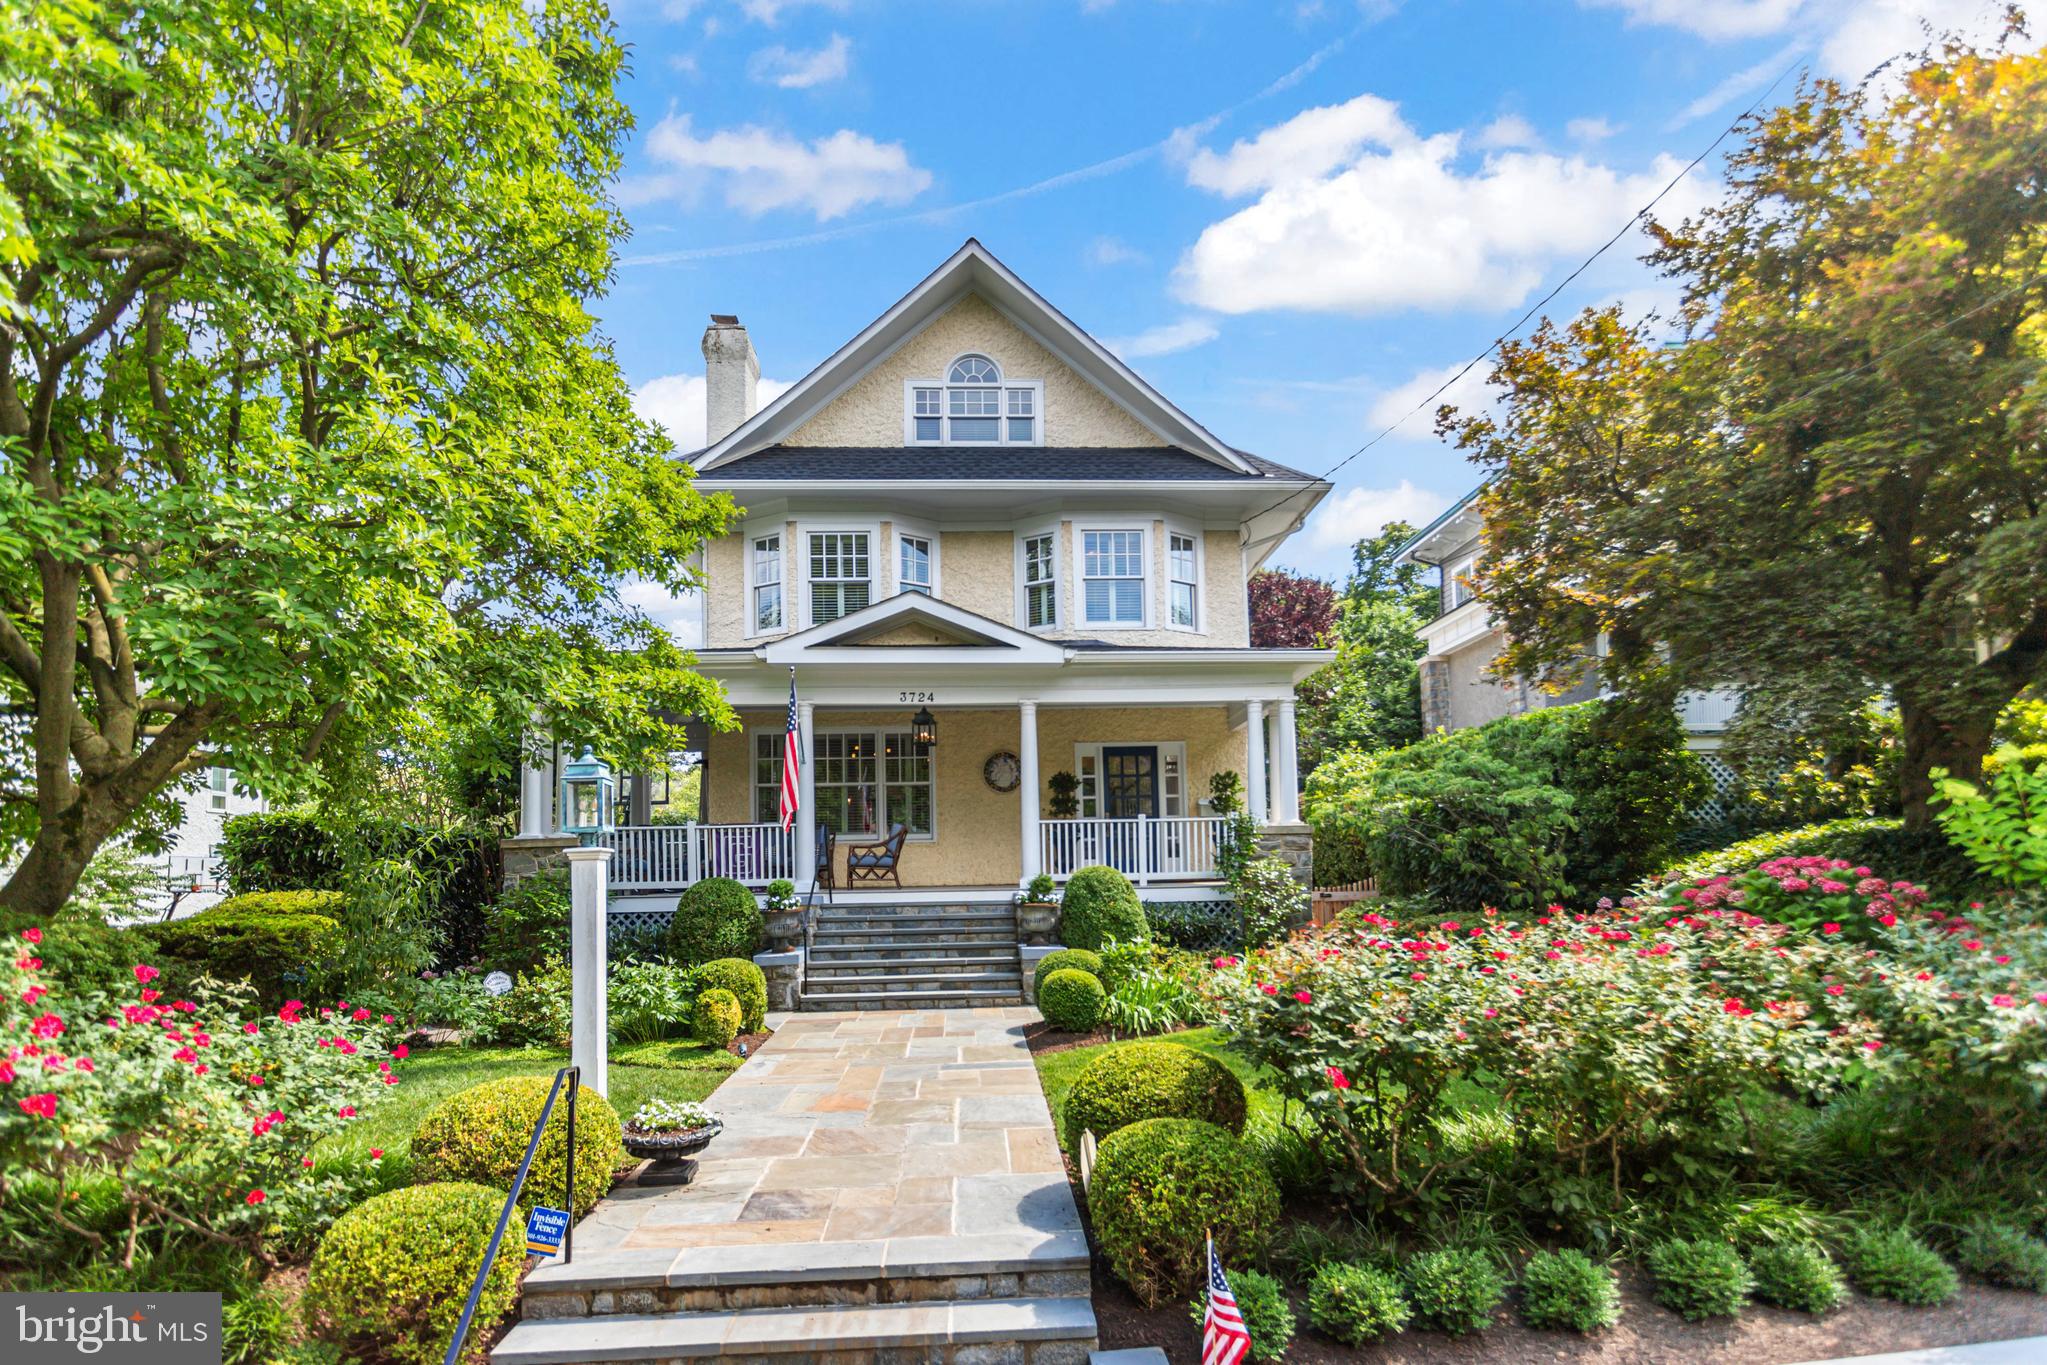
(924, 728)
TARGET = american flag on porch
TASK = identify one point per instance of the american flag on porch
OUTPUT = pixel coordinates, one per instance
(1224, 1341)
(792, 758)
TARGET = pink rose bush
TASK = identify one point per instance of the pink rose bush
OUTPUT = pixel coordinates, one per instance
(1807, 894)
(204, 1120)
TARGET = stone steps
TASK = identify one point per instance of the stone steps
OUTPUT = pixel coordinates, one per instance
(904, 956)
(830, 967)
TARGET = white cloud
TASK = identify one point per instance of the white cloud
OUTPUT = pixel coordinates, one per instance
(1346, 517)
(1411, 406)
(791, 70)
(677, 403)
(1740, 85)
(1508, 130)
(769, 12)
(681, 615)
(1590, 129)
(1113, 251)
(762, 169)
(1716, 19)
(1358, 213)
(1868, 33)
(1165, 339)
(675, 11)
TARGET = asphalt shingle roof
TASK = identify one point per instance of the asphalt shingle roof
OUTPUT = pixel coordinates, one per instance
(1049, 463)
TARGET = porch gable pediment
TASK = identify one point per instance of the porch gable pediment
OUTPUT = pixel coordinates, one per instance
(913, 620)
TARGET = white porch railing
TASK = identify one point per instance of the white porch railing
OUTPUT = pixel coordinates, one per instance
(670, 857)
(1144, 848)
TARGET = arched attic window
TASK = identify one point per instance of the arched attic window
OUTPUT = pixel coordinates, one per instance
(974, 406)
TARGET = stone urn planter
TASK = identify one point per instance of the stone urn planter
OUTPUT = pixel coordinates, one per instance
(651, 1135)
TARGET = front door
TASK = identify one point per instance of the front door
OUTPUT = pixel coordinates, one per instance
(1130, 788)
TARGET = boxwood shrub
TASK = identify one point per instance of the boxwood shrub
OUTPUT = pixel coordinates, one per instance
(328, 903)
(269, 951)
(390, 1278)
(1699, 1279)
(1356, 1303)
(1891, 1263)
(1158, 1185)
(2003, 1254)
(1151, 1081)
(1100, 905)
(1079, 959)
(1568, 1289)
(748, 984)
(1073, 1000)
(714, 1018)
(715, 918)
(1799, 1276)
(1268, 1315)
(1454, 1290)
(480, 1135)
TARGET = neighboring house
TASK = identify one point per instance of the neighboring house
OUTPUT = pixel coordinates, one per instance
(1457, 689)
(189, 868)
(974, 517)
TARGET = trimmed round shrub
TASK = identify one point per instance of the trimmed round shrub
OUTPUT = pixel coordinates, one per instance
(1268, 1316)
(247, 945)
(1151, 1081)
(1891, 1263)
(1699, 1279)
(714, 1018)
(748, 984)
(1568, 1289)
(1454, 1291)
(1157, 1185)
(2003, 1254)
(328, 903)
(480, 1134)
(1073, 1001)
(390, 1278)
(1076, 959)
(1355, 1303)
(1100, 905)
(715, 918)
(1799, 1276)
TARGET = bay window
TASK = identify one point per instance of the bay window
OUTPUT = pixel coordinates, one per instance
(840, 582)
(1040, 578)
(1182, 580)
(767, 584)
(1112, 577)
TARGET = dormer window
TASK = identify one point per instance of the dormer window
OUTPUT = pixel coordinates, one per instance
(974, 406)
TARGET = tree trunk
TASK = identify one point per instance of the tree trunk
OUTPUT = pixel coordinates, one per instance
(49, 874)
(1936, 741)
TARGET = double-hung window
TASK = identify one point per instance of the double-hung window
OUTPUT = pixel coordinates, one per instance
(865, 780)
(1457, 589)
(1182, 585)
(767, 584)
(219, 781)
(913, 564)
(1041, 580)
(1112, 577)
(974, 406)
(839, 579)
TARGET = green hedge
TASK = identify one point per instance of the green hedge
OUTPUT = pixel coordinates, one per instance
(1063, 959)
(328, 903)
(1100, 905)
(1073, 1000)
(273, 952)
(714, 1018)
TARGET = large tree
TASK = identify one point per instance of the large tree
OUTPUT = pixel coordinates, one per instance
(1370, 698)
(1838, 486)
(304, 423)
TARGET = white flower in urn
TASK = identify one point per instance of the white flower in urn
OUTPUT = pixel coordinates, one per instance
(671, 1116)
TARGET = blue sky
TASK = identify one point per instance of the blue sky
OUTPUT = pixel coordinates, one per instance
(1294, 219)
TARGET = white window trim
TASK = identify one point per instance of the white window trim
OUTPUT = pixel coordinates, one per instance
(1200, 582)
(1460, 568)
(1036, 386)
(751, 532)
(1059, 571)
(1077, 562)
(875, 576)
(880, 777)
(1174, 748)
(916, 530)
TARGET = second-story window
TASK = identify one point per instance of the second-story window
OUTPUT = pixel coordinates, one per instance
(1112, 577)
(1457, 589)
(767, 583)
(1182, 585)
(839, 581)
(974, 406)
(913, 567)
(1041, 580)
(219, 781)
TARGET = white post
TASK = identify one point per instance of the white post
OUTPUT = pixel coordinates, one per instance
(805, 871)
(1254, 759)
(536, 795)
(1286, 768)
(1144, 858)
(588, 1025)
(1027, 787)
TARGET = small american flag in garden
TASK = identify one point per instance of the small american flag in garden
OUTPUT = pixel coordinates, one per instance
(792, 758)
(1223, 1338)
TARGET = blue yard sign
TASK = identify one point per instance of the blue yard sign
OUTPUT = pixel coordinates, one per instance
(544, 1231)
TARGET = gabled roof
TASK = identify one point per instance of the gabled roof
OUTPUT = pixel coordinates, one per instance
(972, 269)
(861, 631)
(867, 464)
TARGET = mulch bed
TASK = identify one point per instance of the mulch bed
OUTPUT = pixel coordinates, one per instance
(1042, 1038)
(750, 1041)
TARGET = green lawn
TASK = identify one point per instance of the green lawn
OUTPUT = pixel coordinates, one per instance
(673, 1070)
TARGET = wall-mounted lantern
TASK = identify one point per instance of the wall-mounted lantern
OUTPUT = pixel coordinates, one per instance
(924, 728)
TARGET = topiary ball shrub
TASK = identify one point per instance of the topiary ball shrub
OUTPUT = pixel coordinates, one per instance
(2001, 1253)
(1100, 906)
(1568, 1289)
(480, 1134)
(1699, 1279)
(1151, 1081)
(1157, 1185)
(714, 1018)
(715, 918)
(1454, 1291)
(1355, 1303)
(1268, 1316)
(390, 1278)
(1074, 1001)
(1076, 959)
(748, 984)
(1799, 1276)
(1890, 1263)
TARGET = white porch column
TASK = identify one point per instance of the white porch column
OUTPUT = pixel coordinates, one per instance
(806, 801)
(588, 1027)
(1286, 768)
(1027, 787)
(1254, 759)
(536, 797)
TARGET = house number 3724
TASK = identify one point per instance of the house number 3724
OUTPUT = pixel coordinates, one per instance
(916, 696)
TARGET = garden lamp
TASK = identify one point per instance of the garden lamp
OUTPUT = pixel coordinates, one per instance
(587, 794)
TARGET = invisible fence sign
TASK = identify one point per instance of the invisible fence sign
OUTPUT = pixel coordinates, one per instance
(545, 1229)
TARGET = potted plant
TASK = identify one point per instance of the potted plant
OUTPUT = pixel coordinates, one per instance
(782, 912)
(1037, 910)
(668, 1133)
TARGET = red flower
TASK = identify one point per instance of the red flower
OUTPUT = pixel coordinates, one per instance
(1336, 1077)
(49, 1026)
(150, 997)
(2003, 1002)
(6, 1073)
(376, 1153)
(251, 1026)
(1302, 996)
(83, 1064)
(33, 994)
(255, 1197)
(255, 1080)
(360, 1015)
(307, 1163)
(1837, 989)
(1830, 928)
(1972, 944)
(40, 1106)
(29, 964)
(185, 1054)
(347, 1111)
(401, 1052)
(146, 974)
(1268, 988)
(1873, 1044)
(32, 934)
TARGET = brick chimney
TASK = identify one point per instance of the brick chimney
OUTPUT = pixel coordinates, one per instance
(731, 377)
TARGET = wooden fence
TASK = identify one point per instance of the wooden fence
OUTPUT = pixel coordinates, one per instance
(1327, 901)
